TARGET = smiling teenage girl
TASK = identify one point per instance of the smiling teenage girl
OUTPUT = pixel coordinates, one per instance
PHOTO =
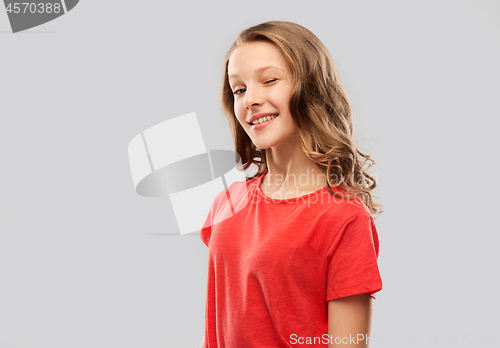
(298, 264)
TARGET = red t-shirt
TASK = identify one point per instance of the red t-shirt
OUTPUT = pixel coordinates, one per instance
(273, 265)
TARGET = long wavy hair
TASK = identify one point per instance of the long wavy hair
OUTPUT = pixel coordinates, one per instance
(318, 106)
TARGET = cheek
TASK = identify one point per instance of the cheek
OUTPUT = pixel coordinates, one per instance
(283, 99)
(240, 116)
(239, 110)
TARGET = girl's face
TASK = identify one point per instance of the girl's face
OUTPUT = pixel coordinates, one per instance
(262, 84)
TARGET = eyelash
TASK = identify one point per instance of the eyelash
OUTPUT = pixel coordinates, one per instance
(236, 92)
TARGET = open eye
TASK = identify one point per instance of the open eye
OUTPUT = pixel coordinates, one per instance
(238, 90)
(242, 90)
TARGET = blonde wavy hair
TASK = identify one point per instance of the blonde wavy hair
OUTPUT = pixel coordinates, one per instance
(318, 106)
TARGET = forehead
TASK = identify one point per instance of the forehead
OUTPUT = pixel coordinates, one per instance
(255, 57)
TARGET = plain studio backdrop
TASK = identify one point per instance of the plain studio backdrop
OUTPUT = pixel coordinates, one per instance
(87, 262)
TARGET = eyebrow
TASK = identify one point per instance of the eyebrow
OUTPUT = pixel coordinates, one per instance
(258, 71)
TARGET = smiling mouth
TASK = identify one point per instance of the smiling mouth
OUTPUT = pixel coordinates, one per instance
(265, 119)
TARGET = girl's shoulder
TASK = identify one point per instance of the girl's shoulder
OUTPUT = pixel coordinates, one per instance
(343, 207)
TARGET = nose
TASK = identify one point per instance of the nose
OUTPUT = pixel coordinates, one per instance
(252, 98)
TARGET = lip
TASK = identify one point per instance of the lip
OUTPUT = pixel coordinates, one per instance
(256, 117)
(263, 124)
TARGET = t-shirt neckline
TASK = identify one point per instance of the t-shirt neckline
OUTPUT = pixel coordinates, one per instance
(285, 200)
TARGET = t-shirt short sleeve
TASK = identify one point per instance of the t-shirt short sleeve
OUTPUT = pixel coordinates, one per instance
(352, 259)
(206, 231)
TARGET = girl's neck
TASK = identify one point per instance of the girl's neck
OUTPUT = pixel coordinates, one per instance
(291, 172)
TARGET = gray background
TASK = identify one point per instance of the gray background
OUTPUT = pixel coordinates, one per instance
(86, 262)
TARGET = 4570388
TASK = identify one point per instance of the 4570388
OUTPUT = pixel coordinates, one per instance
(32, 7)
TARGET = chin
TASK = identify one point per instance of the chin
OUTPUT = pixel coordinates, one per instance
(263, 146)
(275, 142)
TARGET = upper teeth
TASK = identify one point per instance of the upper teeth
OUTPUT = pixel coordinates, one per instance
(265, 118)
